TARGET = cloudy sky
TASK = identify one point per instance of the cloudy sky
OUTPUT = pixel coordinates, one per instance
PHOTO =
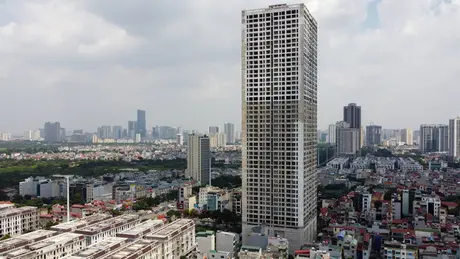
(87, 63)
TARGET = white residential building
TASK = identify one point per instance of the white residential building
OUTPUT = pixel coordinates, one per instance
(142, 229)
(454, 137)
(407, 136)
(217, 140)
(5, 136)
(24, 239)
(177, 238)
(331, 134)
(180, 139)
(15, 221)
(98, 232)
(54, 247)
(279, 77)
(347, 139)
(141, 248)
(99, 191)
(227, 242)
(100, 249)
(205, 242)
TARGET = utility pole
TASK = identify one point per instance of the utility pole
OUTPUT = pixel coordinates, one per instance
(68, 198)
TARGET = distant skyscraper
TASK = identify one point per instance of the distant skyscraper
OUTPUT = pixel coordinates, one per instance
(217, 140)
(213, 129)
(141, 127)
(331, 134)
(279, 76)
(352, 115)
(229, 130)
(434, 138)
(454, 137)
(407, 136)
(198, 159)
(417, 136)
(28, 135)
(347, 139)
(373, 135)
(104, 132)
(167, 132)
(117, 132)
(52, 132)
(132, 129)
(180, 139)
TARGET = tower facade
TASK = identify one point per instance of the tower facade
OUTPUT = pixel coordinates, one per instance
(279, 122)
(454, 137)
(198, 159)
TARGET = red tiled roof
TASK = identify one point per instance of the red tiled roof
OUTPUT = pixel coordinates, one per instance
(403, 230)
(302, 252)
(367, 237)
(399, 221)
(449, 204)
(323, 210)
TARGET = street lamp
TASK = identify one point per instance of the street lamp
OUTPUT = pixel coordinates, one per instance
(68, 192)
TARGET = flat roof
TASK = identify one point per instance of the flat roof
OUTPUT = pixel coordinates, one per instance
(132, 250)
(101, 248)
(73, 225)
(107, 224)
(172, 229)
(142, 229)
(11, 211)
(22, 240)
(46, 245)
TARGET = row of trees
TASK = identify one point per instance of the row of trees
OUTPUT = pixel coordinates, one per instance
(14, 171)
(147, 203)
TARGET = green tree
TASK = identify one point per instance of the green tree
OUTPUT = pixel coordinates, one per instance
(3, 196)
(5, 237)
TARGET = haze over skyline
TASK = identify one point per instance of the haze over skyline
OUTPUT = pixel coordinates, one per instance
(90, 63)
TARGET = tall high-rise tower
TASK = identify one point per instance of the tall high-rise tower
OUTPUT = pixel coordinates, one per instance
(434, 138)
(198, 159)
(279, 96)
(141, 127)
(52, 132)
(352, 115)
(229, 130)
(454, 137)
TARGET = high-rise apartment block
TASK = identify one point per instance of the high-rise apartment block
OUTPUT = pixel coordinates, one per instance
(217, 140)
(373, 135)
(52, 132)
(132, 129)
(352, 115)
(104, 132)
(454, 137)
(331, 134)
(348, 139)
(213, 130)
(279, 77)
(434, 138)
(407, 137)
(117, 132)
(229, 130)
(141, 127)
(198, 159)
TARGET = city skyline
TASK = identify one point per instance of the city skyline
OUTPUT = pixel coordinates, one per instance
(360, 59)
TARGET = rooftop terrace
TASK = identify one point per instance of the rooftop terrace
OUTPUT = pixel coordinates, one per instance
(100, 249)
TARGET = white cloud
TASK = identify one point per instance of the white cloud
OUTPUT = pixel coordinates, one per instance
(88, 63)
